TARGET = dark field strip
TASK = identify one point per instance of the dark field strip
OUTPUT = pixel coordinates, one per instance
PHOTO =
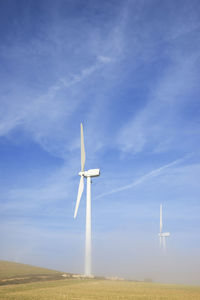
(29, 278)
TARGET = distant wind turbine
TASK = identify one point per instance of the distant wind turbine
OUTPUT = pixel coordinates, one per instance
(162, 235)
(87, 174)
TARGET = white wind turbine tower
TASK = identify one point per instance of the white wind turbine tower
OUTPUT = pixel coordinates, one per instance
(86, 174)
(162, 235)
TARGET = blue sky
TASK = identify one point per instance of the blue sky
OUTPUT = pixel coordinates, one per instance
(129, 70)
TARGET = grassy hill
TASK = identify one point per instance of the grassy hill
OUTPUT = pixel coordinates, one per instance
(39, 283)
(11, 272)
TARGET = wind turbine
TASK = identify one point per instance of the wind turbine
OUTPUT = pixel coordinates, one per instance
(162, 235)
(86, 174)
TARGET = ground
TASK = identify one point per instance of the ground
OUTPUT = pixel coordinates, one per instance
(71, 288)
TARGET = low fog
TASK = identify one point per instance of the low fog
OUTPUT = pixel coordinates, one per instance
(115, 254)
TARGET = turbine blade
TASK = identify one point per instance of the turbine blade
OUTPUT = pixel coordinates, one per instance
(82, 150)
(164, 244)
(161, 225)
(80, 191)
(160, 242)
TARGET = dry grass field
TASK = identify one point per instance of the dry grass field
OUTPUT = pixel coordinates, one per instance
(90, 289)
(94, 289)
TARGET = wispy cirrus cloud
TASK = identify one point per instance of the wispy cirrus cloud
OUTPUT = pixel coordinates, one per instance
(51, 99)
(162, 121)
(45, 116)
(149, 175)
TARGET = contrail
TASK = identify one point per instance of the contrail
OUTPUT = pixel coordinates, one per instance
(151, 174)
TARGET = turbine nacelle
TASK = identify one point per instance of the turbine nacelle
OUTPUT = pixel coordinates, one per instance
(164, 234)
(90, 173)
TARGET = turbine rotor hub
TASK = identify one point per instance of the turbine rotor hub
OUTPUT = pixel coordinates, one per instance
(90, 173)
